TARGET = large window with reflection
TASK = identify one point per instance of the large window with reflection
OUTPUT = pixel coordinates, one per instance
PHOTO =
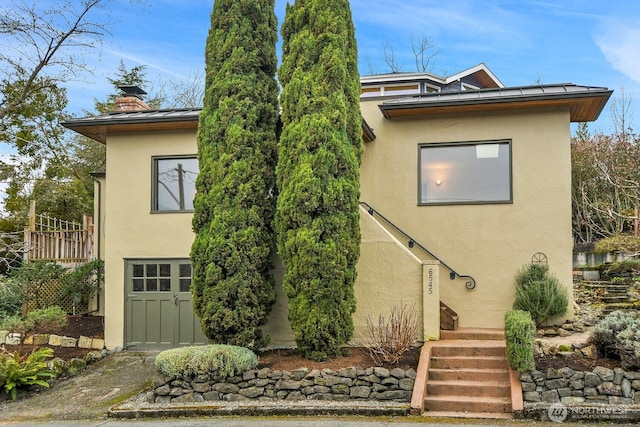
(174, 183)
(465, 173)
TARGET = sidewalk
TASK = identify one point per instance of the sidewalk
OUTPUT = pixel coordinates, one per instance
(137, 408)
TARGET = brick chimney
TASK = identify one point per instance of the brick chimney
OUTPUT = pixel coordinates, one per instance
(131, 99)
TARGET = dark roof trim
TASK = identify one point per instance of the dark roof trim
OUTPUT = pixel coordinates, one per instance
(96, 127)
(584, 102)
(367, 132)
(139, 116)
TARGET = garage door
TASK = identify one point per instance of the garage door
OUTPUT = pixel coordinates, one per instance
(159, 311)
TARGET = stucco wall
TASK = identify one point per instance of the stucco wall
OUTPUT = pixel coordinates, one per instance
(131, 231)
(490, 242)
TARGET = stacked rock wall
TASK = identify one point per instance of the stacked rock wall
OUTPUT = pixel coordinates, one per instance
(264, 384)
(602, 385)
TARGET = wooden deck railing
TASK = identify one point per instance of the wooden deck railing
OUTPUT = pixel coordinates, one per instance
(50, 239)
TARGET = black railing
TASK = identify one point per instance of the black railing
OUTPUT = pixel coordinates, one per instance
(411, 243)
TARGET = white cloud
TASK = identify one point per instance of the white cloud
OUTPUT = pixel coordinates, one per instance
(620, 44)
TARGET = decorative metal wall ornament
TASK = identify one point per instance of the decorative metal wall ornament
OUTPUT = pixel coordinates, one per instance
(539, 258)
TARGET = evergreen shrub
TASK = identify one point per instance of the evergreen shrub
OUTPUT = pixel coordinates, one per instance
(540, 293)
(317, 214)
(520, 332)
(233, 290)
(212, 360)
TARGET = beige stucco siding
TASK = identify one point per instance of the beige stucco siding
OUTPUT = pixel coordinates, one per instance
(490, 242)
(131, 231)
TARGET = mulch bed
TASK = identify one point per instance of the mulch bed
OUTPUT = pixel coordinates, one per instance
(291, 359)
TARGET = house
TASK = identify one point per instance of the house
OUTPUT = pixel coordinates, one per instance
(463, 181)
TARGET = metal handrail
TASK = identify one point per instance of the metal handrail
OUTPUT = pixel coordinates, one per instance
(470, 281)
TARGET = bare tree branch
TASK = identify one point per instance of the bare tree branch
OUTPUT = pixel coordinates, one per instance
(390, 59)
(40, 39)
(421, 49)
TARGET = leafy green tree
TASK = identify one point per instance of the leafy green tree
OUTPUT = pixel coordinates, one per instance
(317, 217)
(234, 205)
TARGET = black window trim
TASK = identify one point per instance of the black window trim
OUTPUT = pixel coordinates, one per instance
(509, 142)
(154, 182)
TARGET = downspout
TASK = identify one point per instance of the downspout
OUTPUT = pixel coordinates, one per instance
(96, 236)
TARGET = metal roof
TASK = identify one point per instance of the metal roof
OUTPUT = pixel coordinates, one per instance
(137, 117)
(584, 102)
(95, 127)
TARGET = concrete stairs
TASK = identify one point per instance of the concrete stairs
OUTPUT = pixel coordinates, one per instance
(468, 376)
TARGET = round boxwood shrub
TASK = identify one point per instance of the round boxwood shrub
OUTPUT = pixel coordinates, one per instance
(213, 360)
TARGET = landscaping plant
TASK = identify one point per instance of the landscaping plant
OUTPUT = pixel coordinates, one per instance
(233, 290)
(540, 293)
(211, 360)
(10, 298)
(40, 319)
(18, 371)
(317, 219)
(618, 335)
(83, 282)
(520, 332)
(389, 338)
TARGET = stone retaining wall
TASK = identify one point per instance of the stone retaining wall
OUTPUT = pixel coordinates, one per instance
(349, 383)
(601, 386)
(53, 340)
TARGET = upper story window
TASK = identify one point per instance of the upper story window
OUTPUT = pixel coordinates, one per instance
(174, 183)
(465, 173)
(390, 90)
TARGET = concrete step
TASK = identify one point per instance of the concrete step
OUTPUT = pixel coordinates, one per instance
(467, 404)
(470, 348)
(463, 362)
(475, 415)
(470, 374)
(473, 334)
(469, 388)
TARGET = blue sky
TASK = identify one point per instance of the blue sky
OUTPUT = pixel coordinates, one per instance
(588, 42)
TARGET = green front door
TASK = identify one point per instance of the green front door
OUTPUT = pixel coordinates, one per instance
(159, 311)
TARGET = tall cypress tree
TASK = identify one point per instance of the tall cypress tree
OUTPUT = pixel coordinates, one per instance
(235, 200)
(318, 173)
